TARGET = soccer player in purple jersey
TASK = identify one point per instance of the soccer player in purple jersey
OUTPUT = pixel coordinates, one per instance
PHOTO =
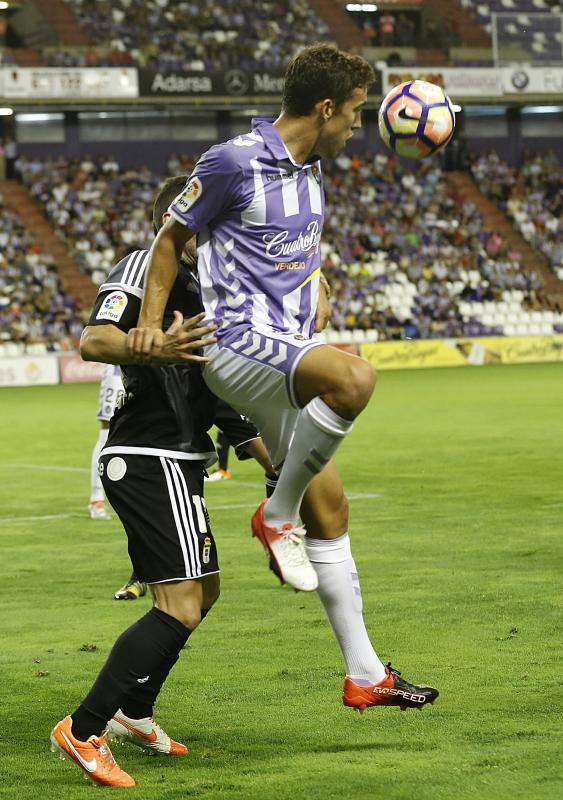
(256, 203)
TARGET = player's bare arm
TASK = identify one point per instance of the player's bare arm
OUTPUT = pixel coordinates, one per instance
(324, 311)
(161, 272)
(181, 342)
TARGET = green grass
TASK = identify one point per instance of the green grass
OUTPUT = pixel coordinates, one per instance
(459, 551)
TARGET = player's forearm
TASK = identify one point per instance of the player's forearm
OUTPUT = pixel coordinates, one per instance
(161, 273)
(106, 344)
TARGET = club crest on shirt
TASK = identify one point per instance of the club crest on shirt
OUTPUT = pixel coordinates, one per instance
(190, 194)
(113, 307)
(206, 553)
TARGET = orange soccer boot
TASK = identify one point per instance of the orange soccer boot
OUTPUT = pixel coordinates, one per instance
(391, 691)
(94, 756)
(285, 548)
(145, 733)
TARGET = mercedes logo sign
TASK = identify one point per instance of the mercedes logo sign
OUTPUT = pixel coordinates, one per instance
(520, 79)
(236, 82)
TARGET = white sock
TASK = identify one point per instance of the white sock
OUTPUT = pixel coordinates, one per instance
(318, 434)
(340, 594)
(96, 488)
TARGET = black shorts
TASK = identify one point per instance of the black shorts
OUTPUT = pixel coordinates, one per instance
(160, 503)
(238, 430)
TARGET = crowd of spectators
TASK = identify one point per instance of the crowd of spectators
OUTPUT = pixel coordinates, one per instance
(402, 251)
(182, 35)
(34, 309)
(100, 210)
(531, 194)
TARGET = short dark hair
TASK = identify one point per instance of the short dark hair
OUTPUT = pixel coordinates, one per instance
(322, 71)
(168, 192)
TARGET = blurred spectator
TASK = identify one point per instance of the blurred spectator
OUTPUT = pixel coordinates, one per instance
(531, 195)
(33, 305)
(99, 210)
(387, 29)
(170, 35)
(10, 155)
(406, 31)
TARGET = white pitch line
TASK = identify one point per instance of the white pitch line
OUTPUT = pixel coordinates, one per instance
(44, 467)
(41, 518)
(247, 484)
(212, 508)
(352, 496)
(56, 468)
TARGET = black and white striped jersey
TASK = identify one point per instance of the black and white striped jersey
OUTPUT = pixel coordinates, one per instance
(167, 410)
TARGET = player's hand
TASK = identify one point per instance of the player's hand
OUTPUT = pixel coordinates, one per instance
(183, 339)
(324, 311)
(141, 342)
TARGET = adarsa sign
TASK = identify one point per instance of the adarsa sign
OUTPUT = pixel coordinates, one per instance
(74, 370)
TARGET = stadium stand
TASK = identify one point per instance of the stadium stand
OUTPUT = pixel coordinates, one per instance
(413, 257)
(525, 26)
(100, 211)
(441, 33)
(36, 314)
(531, 195)
(164, 35)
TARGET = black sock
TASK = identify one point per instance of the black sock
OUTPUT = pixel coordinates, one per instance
(222, 446)
(141, 650)
(140, 703)
(271, 482)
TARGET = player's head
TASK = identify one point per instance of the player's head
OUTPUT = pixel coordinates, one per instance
(168, 192)
(330, 86)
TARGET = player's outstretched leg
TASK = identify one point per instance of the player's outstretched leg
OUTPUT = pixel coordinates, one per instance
(334, 388)
(148, 648)
(93, 756)
(134, 722)
(368, 683)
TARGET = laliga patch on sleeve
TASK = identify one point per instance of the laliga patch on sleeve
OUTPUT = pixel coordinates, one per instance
(113, 307)
(191, 193)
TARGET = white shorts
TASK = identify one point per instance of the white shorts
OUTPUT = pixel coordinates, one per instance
(111, 390)
(254, 373)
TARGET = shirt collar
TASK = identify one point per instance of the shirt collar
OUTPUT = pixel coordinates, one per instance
(275, 144)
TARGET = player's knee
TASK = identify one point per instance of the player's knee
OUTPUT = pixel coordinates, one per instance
(188, 615)
(358, 383)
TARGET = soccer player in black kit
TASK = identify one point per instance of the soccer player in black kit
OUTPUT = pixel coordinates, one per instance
(152, 469)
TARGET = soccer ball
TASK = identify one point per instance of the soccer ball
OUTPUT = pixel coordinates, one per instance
(417, 119)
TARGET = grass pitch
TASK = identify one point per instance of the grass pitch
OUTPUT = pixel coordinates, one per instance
(455, 478)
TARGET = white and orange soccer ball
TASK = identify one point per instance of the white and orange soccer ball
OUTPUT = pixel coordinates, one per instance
(417, 119)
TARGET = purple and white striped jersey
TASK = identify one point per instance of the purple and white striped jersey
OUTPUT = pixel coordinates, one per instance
(259, 218)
